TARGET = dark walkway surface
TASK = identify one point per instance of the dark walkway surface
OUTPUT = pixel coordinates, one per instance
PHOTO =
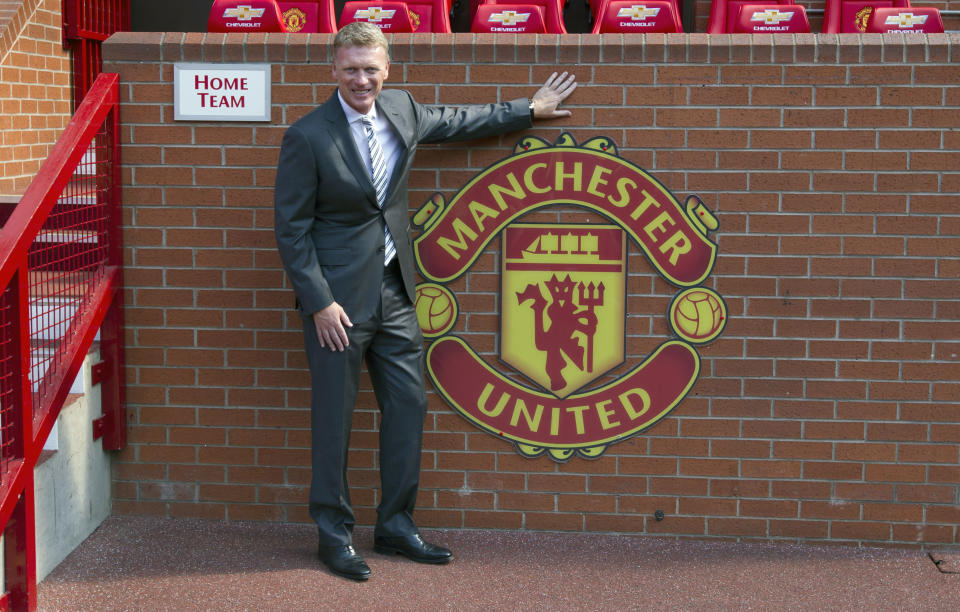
(136, 563)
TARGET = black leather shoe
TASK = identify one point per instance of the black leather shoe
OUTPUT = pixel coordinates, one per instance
(344, 561)
(412, 547)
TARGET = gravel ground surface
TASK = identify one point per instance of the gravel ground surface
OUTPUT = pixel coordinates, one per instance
(147, 563)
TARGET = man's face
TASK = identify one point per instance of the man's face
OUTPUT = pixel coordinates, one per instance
(360, 73)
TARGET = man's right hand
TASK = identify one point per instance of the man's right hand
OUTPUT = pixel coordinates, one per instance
(549, 97)
(330, 324)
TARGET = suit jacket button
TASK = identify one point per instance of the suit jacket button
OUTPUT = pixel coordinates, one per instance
(380, 249)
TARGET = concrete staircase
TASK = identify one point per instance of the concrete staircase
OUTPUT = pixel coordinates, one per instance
(72, 478)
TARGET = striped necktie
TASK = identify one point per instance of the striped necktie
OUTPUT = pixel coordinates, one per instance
(378, 172)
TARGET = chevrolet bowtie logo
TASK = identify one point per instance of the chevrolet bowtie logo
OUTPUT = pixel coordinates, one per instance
(771, 16)
(374, 13)
(509, 18)
(905, 20)
(244, 12)
(638, 12)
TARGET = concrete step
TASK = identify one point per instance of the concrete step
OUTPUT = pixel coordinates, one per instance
(72, 483)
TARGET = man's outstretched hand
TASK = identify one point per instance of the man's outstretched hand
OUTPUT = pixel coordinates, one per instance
(549, 97)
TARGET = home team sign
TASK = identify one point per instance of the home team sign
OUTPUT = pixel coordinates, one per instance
(221, 92)
(563, 295)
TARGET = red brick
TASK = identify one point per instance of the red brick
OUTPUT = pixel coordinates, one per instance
(736, 527)
(254, 512)
(492, 520)
(710, 428)
(894, 473)
(678, 486)
(859, 530)
(769, 508)
(801, 490)
(740, 448)
(829, 510)
(166, 453)
(553, 521)
(833, 470)
(934, 494)
(676, 446)
(928, 453)
(473, 500)
(708, 506)
(708, 467)
(526, 501)
(771, 469)
(799, 529)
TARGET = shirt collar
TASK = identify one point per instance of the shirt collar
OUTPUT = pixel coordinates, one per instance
(352, 114)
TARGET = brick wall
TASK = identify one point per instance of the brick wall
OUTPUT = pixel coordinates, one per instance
(828, 408)
(34, 89)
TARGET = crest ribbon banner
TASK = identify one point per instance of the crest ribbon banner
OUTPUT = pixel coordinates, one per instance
(586, 422)
(609, 185)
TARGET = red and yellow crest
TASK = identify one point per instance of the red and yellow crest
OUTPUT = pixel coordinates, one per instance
(294, 19)
(564, 291)
(862, 17)
(563, 297)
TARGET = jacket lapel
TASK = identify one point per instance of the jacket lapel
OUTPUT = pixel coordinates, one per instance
(342, 138)
(394, 118)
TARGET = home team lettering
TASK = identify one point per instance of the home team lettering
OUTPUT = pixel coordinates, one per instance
(607, 184)
(205, 84)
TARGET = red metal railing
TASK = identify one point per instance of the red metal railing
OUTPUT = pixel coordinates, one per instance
(61, 281)
(86, 24)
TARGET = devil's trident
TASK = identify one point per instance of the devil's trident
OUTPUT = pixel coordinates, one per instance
(593, 297)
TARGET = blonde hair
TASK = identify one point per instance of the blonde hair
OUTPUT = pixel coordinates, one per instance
(360, 34)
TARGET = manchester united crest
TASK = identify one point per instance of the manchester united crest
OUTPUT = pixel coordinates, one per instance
(294, 19)
(562, 302)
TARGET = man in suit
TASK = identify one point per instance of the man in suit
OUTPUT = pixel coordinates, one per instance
(343, 232)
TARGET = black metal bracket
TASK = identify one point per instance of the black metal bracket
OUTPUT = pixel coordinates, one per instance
(938, 563)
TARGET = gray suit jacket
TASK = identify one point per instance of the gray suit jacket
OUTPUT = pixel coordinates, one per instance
(327, 222)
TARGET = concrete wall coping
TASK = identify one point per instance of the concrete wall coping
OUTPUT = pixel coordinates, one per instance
(697, 48)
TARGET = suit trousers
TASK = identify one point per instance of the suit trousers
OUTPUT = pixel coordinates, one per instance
(392, 346)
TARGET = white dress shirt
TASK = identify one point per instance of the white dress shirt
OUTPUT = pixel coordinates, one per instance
(389, 142)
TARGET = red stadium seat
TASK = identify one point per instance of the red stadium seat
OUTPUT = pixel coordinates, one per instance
(513, 18)
(637, 17)
(430, 15)
(391, 17)
(851, 16)
(245, 16)
(313, 16)
(771, 18)
(475, 4)
(597, 5)
(921, 19)
(552, 13)
(724, 13)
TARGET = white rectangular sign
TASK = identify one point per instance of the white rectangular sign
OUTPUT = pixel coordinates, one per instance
(221, 92)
